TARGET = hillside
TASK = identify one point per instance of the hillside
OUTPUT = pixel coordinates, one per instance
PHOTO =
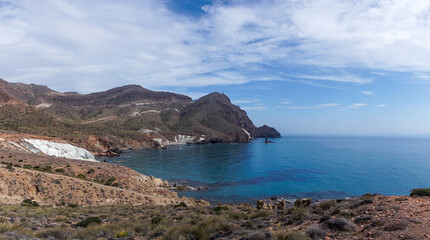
(124, 117)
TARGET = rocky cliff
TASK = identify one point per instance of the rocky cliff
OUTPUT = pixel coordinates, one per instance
(124, 117)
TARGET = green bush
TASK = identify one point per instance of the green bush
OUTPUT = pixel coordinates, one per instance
(220, 208)
(89, 221)
(59, 170)
(156, 220)
(326, 205)
(47, 169)
(81, 176)
(421, 192)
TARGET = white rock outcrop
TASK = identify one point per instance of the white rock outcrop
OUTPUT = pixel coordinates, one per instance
(183, 139)
(63, 150)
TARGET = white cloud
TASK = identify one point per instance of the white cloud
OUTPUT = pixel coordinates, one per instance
(357, 105)
(381, 105)
(94, 45)
(367, 93)
(324, 105)
(285, 102)
(344, 78)
(237, 101)
(253, 108)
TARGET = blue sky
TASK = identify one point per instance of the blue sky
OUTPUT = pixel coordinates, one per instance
(304, 67)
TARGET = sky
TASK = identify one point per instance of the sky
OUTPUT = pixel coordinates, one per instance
(358, 67)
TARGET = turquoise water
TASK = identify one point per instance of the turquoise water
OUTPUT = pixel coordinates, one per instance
(292, 167)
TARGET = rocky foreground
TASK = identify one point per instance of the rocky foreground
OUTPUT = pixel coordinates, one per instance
(366, 217)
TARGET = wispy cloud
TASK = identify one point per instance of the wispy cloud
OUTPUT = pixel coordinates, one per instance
(254, 108)
(367, 93)
(381, 105)
(325, 105)
(345, 78)
(285, 102)
(244, 101)
(94, 45)
(356, 106)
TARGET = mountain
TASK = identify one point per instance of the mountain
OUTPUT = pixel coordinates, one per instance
(124, 117)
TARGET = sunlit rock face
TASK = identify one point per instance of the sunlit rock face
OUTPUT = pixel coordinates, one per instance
(56, 149)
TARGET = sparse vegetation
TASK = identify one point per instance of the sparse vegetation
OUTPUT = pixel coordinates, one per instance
(89, 222)
(421, 192)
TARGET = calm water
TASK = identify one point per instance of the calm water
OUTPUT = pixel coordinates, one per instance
(317, 167)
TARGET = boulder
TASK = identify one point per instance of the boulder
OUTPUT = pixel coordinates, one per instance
(261, 204)
(281, 204)
(303, 202)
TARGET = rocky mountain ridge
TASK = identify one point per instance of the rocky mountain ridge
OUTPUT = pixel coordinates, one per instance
(124, 117)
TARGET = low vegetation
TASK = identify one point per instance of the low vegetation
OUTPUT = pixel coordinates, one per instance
(369, 217)
(421, 192)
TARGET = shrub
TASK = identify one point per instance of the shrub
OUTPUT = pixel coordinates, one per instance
(7, 227)
(110, 181)
(220, 208)
(236, 215)
(182, 204)
(121, 234)
(362, 219)
(9, 167)
(396, 226)
(72, 205)
(156, 220)
(315, 232)
(338, 224)
(27, 166)
(298, 213)
(288, 235)
(47, 169)
(420, 192)
(59, 170)
(248, 225)
(261, 214)
(326, 205)
(81, 176)
(324, 218)
(89, 221)
(60, 233)
(38, 168)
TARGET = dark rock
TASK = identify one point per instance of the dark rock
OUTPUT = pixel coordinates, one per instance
(281, 204)
(261, 204)
(267, 132)
(304, 202)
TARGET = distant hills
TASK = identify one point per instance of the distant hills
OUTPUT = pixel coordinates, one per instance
(124, 117)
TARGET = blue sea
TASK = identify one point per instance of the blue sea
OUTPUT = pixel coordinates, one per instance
(319, 167)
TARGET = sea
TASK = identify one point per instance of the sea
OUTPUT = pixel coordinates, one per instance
(318, 167)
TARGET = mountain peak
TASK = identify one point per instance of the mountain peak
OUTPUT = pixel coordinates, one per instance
(216, 96)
